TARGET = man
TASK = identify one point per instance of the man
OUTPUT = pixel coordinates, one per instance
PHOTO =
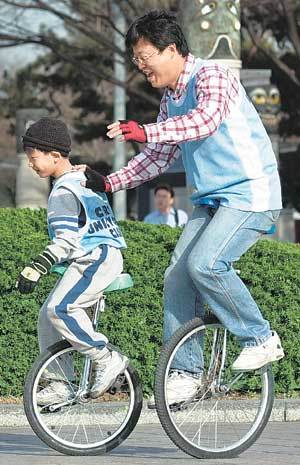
(232, 171)
(165, 212)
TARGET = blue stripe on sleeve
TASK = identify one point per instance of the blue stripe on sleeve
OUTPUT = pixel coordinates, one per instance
(69, 219)
(64, 226)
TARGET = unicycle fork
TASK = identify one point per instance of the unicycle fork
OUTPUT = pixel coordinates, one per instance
(83, 388)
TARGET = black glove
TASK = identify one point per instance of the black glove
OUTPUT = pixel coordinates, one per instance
(96, 181)
(30, 275)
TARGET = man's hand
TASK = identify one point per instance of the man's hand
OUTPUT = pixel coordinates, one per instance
(30, 275)
(128, 130)
(95, 181)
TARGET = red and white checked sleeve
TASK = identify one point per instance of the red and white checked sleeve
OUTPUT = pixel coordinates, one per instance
(217, 92)
(151, 162)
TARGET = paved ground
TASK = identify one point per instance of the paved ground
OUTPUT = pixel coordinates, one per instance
(148, 445)
(284, 410)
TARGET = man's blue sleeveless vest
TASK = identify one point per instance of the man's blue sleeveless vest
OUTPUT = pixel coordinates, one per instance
(235, 166)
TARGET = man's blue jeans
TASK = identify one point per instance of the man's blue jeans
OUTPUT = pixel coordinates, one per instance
(201, 273)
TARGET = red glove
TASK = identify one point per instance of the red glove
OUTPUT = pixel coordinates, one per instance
(131, 130)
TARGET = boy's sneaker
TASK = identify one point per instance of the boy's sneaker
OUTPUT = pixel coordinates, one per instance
(105, 371)
(253, 358)
(55, 393)
(181, 387)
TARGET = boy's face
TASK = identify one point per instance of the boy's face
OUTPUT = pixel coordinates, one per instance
(43, 163)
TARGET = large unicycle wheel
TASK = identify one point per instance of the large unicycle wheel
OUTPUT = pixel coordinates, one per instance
(80, 425)
(230, 409)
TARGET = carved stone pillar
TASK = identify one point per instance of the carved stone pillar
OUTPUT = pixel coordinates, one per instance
(31, 190)
(212, 30)
(266, 99)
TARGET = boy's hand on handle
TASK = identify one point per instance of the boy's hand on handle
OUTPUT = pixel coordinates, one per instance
(27, 280)
(30, 275)
(128, 130)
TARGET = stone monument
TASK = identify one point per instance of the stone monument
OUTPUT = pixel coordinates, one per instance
(212, 30)
(266, 99)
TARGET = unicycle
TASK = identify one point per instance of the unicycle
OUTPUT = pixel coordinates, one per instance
(230, 409)
(80, 425)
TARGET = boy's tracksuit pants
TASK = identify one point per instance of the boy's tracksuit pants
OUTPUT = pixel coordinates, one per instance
(77, 290)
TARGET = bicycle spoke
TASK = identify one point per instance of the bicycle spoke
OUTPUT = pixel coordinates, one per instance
(75, 432)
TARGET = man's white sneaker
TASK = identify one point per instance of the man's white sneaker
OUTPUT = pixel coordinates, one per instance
(181, 387)
(253, 358)
(106, 370)
(55, 393)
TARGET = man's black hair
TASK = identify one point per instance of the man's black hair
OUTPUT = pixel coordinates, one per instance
(165, 187)
(160, 28)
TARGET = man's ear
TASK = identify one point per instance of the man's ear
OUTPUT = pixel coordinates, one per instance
(173, 48)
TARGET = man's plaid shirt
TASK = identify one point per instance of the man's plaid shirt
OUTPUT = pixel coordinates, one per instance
(216, 90)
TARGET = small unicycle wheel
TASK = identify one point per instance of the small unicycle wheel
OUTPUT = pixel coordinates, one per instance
(72, 422)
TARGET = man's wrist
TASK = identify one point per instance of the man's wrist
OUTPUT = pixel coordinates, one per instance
(151, 131)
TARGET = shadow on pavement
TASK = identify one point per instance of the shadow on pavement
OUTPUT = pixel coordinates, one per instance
(22, 444)
(28, 444)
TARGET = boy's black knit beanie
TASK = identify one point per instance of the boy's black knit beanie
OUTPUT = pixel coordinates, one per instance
(48, 134)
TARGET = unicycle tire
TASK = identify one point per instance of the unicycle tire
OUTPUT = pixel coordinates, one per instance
(226, 416)
(83, 426)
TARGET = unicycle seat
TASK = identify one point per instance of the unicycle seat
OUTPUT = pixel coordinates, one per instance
(123, 281)
(60, 268)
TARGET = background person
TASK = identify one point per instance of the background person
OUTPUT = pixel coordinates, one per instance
(165, 212)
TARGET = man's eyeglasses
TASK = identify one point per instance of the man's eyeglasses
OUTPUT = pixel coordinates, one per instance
(143, 60)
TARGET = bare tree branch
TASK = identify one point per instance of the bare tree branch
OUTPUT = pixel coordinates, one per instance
(279, 63)
(16, 35)
(292, 25)
(72, 22)
(261, 17)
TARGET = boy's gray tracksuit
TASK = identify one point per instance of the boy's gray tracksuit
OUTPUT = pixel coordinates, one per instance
(84, 233)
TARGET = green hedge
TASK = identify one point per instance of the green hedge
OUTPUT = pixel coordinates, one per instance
(133, 319)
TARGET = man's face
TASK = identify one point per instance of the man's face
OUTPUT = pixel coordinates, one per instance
(157, 66)
(41, 162)
(163, 200)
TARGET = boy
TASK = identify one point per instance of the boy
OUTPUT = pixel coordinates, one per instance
(84, 233)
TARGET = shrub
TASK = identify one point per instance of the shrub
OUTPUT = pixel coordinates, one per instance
(133, 319)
